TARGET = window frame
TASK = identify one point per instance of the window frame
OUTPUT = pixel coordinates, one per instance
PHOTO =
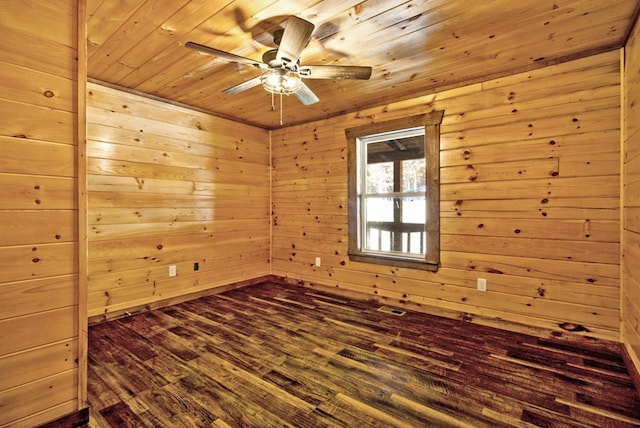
(431, 122)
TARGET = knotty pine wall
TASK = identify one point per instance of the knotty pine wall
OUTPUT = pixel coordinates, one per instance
(42, 366)
(530, 201)
(631, 200)
(171, 186)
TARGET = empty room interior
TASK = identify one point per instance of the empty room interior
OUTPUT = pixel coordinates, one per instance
(320, 213)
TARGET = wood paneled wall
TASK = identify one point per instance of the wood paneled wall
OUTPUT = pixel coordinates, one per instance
(530, 201)
(171, 186)
(631, 200)
(41, 365)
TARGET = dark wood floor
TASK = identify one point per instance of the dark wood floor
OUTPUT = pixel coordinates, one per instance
(282, 356)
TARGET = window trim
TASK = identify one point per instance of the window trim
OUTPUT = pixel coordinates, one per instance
(431, 122)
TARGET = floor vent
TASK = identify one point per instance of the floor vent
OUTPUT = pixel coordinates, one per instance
(392, 311)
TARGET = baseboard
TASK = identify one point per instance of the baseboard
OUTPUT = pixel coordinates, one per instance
(96, 319)
(74, 420)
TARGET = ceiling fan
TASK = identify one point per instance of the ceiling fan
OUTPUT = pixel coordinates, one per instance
(283, 72)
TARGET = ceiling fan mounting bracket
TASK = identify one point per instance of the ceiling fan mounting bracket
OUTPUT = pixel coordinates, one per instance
(277, 36)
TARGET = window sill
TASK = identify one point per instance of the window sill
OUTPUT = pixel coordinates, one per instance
(401, 262)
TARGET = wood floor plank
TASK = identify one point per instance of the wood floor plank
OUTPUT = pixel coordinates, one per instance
(121, 415)
(278, 355)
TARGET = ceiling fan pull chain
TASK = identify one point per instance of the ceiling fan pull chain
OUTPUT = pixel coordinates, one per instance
(281, 107)
(273, 103)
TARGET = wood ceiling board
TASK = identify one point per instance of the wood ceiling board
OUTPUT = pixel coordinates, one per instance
(414, 47)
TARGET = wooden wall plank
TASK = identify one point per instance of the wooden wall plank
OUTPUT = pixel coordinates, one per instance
(29, 157)
(26, 227)
(632, 219)
(529, 201)
(519, 170)
(540, 268)
(34, 330)
(24, 192)
(208, 258)
(242, 187)
(236, 172)
(604, 208)
(36, 122)
(38, 20)
(549, 189)
(562, 145)
(37, 261)
(237, 227)
(171, 186)
(120, 215)
(46, 55)
(37, 295)
(155, 246)
(597, 120)
(36, 88)
(58, 387)
(42, 362)
(576, 230)
(595, 252)
(115, 199)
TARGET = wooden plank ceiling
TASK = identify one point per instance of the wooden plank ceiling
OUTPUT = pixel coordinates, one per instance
(414, 47)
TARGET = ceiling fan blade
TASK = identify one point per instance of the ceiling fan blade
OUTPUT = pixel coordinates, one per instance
(335, 72)
(306, 95)
(225, 55)
(244, 86)
(296, 35)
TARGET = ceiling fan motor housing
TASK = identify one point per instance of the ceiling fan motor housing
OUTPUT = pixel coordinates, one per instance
(269, 56)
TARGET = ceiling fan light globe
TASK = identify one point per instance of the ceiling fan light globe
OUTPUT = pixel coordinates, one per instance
(272, 79)
(279, 81)
(291, 82)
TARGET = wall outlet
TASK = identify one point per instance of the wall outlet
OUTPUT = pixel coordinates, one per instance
(172, 270)
(318, 261)
(196, 266)
(482, 284)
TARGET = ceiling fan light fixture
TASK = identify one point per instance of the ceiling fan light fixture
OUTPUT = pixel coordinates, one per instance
(281, 81)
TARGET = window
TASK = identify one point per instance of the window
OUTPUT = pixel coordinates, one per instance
(394, 192)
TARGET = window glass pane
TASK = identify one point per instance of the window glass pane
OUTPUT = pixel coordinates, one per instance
(414, 209)
(380, 177)
(379, 209)
(414, 175)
